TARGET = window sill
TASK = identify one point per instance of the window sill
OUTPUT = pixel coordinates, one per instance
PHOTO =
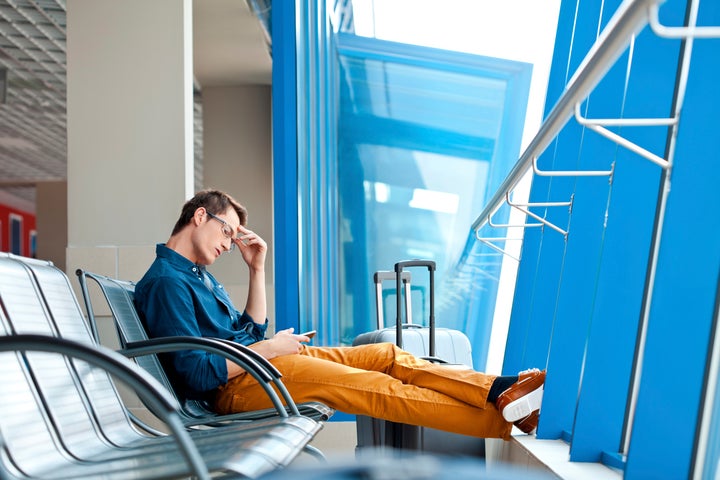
(551, 456)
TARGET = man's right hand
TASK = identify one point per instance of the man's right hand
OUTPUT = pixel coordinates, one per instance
(288, 343)
(285, 342)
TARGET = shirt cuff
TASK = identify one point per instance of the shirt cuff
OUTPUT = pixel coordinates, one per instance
(253, 329)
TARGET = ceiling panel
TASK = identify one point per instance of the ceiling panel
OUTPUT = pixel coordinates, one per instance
(33, 143)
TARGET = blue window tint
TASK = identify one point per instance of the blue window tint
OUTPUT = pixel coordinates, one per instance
(424, 137)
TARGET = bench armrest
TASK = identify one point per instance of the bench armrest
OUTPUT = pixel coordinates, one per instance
(148, 389)
(229, 350)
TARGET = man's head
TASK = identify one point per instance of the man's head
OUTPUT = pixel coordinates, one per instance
(207, 225)
(214, 202)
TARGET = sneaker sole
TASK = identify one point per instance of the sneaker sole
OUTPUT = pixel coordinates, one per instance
(529, 424)
(523, 406)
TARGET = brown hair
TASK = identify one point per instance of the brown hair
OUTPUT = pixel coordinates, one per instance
(214, 201)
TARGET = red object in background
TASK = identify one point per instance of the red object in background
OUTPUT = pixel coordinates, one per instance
(17, 231)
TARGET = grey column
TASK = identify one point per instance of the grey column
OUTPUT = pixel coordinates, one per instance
(130, 129)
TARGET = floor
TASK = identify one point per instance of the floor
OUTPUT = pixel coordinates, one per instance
(524, 456)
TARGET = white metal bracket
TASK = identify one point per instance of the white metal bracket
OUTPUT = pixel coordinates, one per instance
(526, 211)
(489, 242)
(598, 125)
(508, 225)
(678, 32)
(572, 173)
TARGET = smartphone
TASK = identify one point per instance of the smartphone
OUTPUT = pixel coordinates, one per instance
(310, 334)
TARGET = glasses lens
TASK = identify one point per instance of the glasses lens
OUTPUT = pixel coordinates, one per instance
(228, 232)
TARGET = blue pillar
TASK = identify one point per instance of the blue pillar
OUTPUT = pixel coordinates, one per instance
(284, 108)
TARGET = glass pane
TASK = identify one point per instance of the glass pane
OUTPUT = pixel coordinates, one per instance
(422, 143)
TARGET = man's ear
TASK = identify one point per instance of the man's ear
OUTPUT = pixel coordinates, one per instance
(199, 215)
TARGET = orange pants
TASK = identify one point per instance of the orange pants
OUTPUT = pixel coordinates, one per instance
(381, 381)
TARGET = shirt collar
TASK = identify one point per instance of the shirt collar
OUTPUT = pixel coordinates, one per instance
(177, 260)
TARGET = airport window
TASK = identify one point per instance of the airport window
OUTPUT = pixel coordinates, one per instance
(424, 137)
(602, 299)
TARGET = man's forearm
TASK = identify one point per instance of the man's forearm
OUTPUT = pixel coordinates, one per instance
(264, 348)
(256, 305)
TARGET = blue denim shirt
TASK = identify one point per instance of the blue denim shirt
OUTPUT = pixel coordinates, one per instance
(174, 299)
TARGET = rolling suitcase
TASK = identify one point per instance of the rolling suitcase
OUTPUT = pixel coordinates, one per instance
(442, 345)
(439, 345)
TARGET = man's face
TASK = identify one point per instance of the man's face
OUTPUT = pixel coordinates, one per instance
(214, 234)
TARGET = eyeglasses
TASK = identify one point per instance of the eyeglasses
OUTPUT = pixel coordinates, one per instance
(227, 230)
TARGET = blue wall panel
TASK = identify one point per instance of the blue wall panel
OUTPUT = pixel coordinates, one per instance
(647, 93)
(685, 294)
(554, 275)
(619, 306)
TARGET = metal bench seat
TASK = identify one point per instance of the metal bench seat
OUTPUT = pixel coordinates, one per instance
(61, 415)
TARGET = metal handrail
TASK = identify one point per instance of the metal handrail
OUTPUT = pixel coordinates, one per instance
(631, 17)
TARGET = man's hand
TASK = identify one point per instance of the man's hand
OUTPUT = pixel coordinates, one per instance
(285, 342)
(252, 247)
(253, 250)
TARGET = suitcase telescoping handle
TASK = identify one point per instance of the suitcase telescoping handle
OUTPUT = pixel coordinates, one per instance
(430, 265)
(379, 277)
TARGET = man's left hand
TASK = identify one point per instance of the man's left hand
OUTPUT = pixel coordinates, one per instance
(252, 247)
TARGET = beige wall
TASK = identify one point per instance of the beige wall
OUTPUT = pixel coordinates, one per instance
(130, 119)
(51, 221)
(129, 130)
(237, 158)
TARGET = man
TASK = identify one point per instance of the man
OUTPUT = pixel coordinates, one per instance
(178, 297)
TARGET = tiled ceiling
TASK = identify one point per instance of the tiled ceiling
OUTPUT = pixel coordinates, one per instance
(33, 143)
(33, 146)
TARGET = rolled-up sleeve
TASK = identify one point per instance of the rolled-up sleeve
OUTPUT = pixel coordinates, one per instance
(249, 332)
